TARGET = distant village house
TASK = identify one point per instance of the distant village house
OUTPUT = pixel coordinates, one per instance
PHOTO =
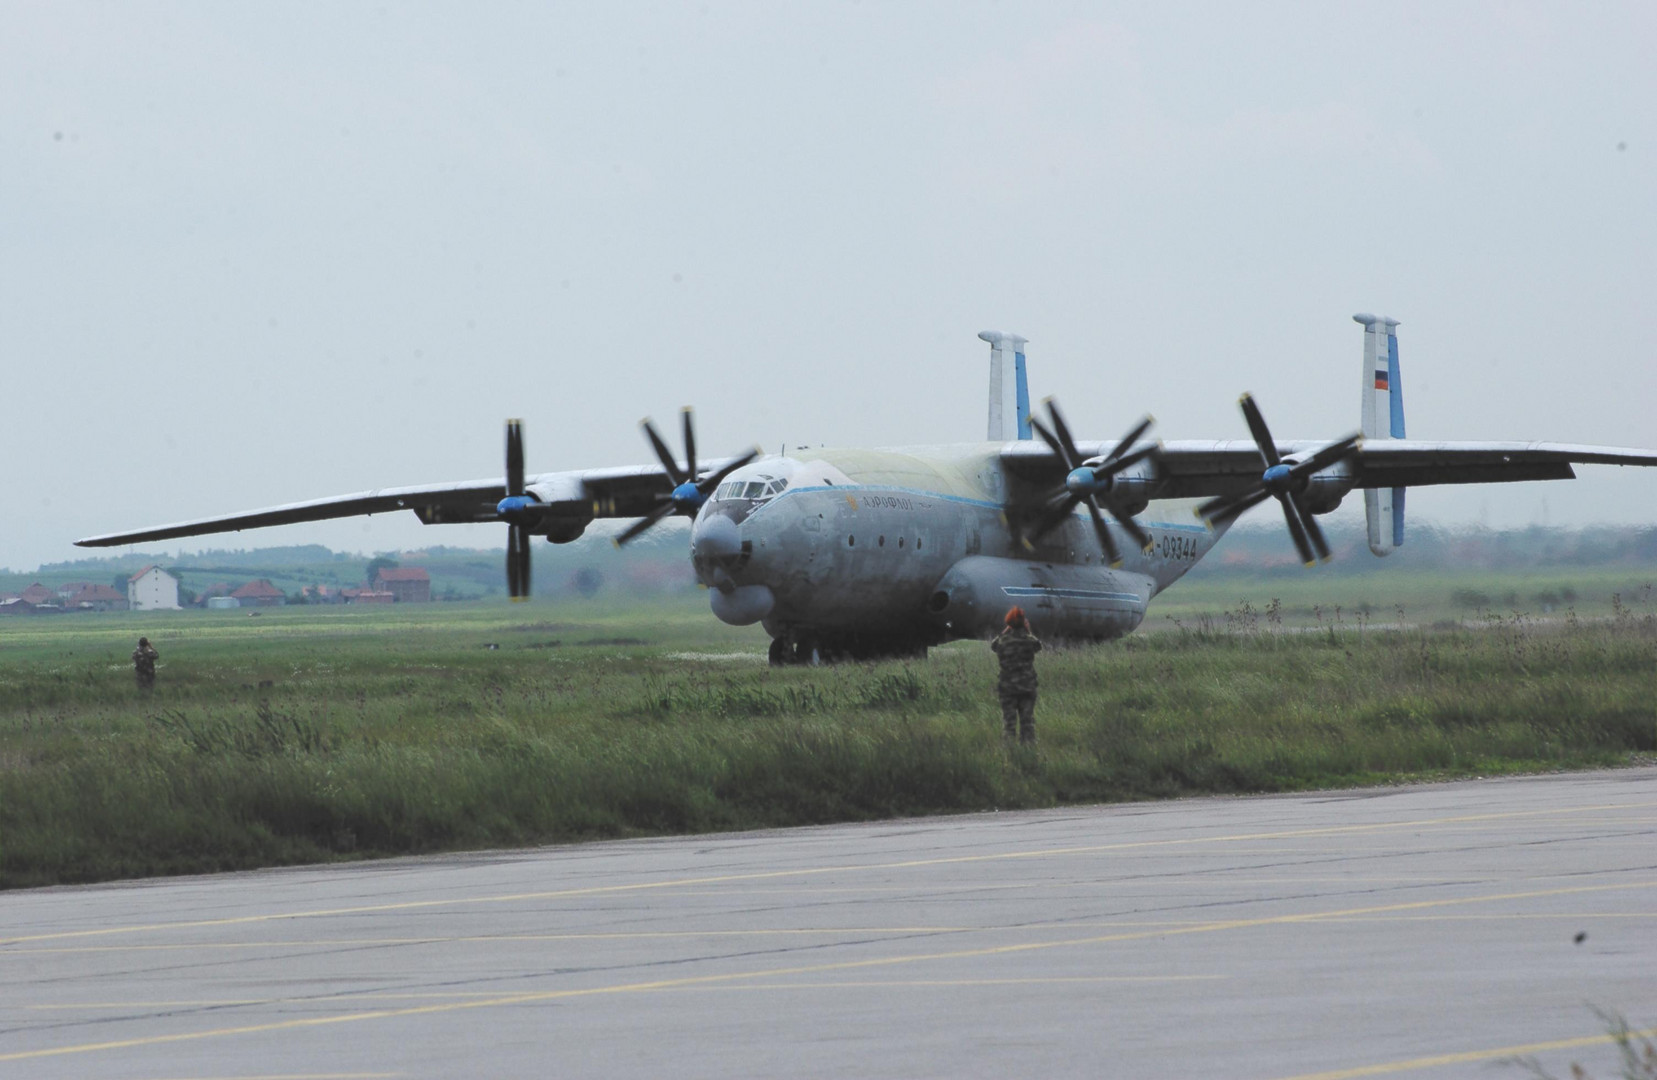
(259, 593)
(152, 589)
(406, 584)
(85, 596)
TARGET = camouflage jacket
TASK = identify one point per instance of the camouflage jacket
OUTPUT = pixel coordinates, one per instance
(1017, 650)
(144, 657)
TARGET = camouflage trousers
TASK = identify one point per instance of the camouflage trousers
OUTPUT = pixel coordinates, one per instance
(1018, 715)
(145, 674)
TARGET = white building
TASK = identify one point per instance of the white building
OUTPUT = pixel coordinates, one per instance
(152, 589)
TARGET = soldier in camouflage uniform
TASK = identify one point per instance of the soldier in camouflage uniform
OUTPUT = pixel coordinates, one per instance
(143, 663)
(1017, 647)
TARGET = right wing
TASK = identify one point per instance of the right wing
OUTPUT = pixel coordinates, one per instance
(1199, 469)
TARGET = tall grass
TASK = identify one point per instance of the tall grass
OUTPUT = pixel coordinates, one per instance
(300, 740)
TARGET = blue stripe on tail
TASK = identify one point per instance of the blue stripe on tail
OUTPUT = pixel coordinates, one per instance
(1024, 431)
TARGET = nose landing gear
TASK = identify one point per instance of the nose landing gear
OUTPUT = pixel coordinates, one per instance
(786, 651)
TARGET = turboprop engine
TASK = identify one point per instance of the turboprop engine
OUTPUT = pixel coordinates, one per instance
(1062, 600)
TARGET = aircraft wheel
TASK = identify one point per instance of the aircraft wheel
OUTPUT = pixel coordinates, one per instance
(780, 654)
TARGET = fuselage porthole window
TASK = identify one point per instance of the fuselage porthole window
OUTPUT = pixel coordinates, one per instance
(882, 541)
(851, 541)
(900, 541)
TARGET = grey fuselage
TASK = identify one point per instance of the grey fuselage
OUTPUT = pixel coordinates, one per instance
(881, 551)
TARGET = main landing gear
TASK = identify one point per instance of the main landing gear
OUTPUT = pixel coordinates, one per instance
(812, 649)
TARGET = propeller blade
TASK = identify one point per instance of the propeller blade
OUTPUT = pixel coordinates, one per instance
(690, 442)
(644, 523)
(713, 480)
(1123, 463)
(663, 454)
(1220, 511)
(514, 457)
(1052, 442)
(1131, 527)
(1129, 439)
(1297, 531)
(1071, 456)
(1112, 556)
(1257, 427)
(1054, 516)
(1327, 456)
(1313, 529)
(517, 562)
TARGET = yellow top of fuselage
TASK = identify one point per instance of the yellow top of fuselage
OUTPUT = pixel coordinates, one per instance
(967, 471)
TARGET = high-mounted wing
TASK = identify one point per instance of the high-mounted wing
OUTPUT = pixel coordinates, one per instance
(631, 491)
(1194, 469)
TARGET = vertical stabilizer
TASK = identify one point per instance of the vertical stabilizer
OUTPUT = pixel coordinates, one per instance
(1382, 417)
(1009, 387)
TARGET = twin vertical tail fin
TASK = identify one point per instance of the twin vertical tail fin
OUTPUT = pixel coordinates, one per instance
(1009, 388)
(1382, 418)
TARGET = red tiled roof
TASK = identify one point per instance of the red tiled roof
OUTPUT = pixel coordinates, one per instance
(95, 594)
(403, 573)
(255, 589)
(37, 594)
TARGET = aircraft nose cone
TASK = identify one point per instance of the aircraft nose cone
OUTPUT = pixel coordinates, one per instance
(715, 536)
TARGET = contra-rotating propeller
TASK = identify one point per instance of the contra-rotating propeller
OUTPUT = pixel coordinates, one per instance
(515, 511)
(688, 493)
(1091, 482)
(1286, 483)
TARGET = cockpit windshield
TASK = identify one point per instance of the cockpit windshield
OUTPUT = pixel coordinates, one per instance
(759, 489)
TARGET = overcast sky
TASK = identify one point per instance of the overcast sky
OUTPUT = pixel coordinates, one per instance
(258, 253)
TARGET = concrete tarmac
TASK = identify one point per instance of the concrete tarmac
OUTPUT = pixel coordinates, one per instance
(1424, 931)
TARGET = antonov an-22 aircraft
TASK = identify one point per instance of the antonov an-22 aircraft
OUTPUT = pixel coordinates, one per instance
(862, 553)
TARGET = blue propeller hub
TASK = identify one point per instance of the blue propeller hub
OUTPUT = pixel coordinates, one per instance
(1277, 477)
(1084, 481)
(687, 498)
(515, 504)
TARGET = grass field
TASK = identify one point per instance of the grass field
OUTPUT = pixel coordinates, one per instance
(307, 734)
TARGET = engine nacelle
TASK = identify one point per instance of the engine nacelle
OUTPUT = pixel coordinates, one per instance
(1061, 600)
(1327, 487)
(1131, 489)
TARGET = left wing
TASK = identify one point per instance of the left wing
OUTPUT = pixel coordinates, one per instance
(1193, 469)
(578, 496)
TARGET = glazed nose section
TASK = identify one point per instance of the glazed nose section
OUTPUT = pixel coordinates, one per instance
(715, 536)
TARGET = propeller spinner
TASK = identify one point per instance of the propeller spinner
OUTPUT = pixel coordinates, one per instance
(1091, 482)
(1286, 483)
(688, 492)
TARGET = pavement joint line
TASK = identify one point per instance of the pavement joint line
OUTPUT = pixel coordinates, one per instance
(1469, 1056)
(224, 1003)
(908, 864)
(513, 939)
(698, 981)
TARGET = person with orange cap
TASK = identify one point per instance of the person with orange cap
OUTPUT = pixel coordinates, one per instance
(1016, 647)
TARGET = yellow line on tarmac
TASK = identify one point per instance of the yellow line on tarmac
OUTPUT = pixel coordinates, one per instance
(532, 997)
(1469, 1056)
(908, 864)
